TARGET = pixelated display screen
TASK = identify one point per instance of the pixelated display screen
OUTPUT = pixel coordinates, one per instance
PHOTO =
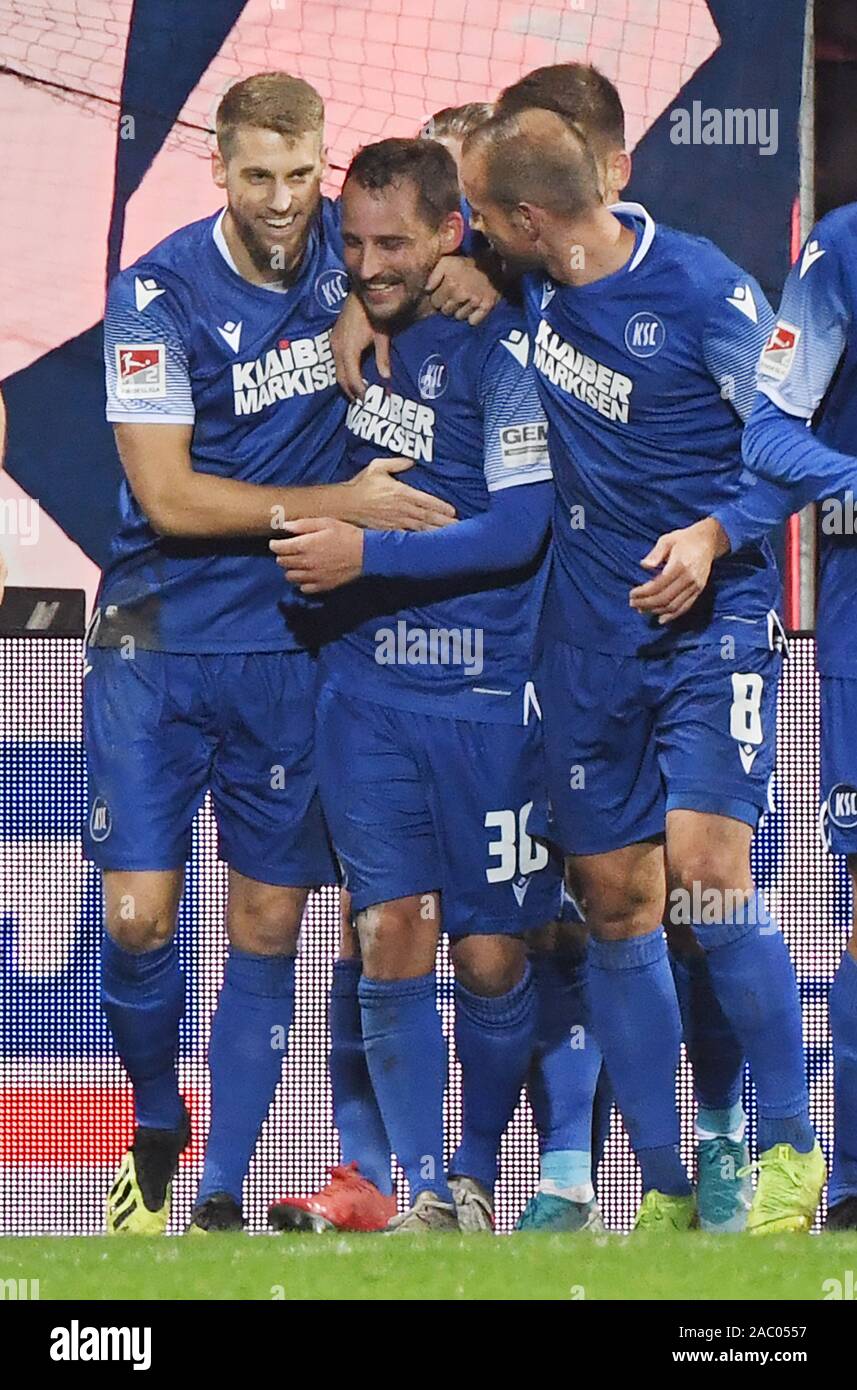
(65, 1107)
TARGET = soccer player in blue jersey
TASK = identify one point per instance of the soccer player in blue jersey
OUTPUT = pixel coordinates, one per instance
(562, 1077)
(428, 733)
(221, 387)
(658, 693)
(801, 442)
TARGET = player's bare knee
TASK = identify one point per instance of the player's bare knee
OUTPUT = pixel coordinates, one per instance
(489, 965)
(396, 940)
(263, 918)
(698, 871)
(140, 910)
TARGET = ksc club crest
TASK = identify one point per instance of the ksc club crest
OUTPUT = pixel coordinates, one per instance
(644, 335)
(842, 806)
(331, 290)
(433, 378)
(100, 823)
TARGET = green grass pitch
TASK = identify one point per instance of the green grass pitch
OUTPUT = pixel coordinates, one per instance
(685, 1267)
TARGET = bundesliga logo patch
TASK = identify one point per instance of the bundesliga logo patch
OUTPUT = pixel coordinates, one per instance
(141, 372)
(778, 352)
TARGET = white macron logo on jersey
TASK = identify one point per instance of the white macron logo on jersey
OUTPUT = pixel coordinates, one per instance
(518, 344)
(231, 334)
(519, 888)
(812, 252)
(742, 299)
(748, 756)
(548, 292)
(144, 292)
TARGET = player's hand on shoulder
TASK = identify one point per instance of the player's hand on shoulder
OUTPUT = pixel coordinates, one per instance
(382, 503)
(352, 335)
(321, 554)
(459, 289)
(684, 559)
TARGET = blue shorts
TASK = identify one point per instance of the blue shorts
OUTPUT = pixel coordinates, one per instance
(420, 803)
(628, 738)
(839, 762)
(162, 728)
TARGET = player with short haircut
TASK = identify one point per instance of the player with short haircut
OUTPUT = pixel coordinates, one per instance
(428, 733)
(228, 420)
(659, 694)
(584, 95)
(562, 1077)
(450, 125)
(808, 375)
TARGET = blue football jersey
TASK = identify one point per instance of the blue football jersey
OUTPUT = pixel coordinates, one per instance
(463, 404)
(646, 377)
(809, 365)
(187, 340)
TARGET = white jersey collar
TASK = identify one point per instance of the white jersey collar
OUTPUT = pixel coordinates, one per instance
(220, 243)
(637, 210)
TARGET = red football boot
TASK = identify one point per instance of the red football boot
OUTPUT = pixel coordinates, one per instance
(349, 1202)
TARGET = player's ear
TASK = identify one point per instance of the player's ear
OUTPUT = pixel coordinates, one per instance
(323, 161)
(218, 168)
(451, 232)
(529, 220)
(618, 173)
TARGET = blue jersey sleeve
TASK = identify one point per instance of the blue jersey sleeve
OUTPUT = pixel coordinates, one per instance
(145, 355)
(508, 536)
(739, 322)
(515, 428)
(795, 370)
(804, 347)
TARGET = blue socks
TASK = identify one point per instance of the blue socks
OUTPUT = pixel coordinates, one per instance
(635, 1016)
(142, 996)
(406, 1054)
(563, 1075)
(257, 998)
(713, 1050)
(754, 979)
(843, 1026)
(355, 1109)
(494, 1041)
(602, 1115)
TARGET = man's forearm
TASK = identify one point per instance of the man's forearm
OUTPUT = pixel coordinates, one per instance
(205, 505)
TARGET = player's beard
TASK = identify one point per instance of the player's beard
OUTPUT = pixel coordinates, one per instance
(262, 252)
(413, 306)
